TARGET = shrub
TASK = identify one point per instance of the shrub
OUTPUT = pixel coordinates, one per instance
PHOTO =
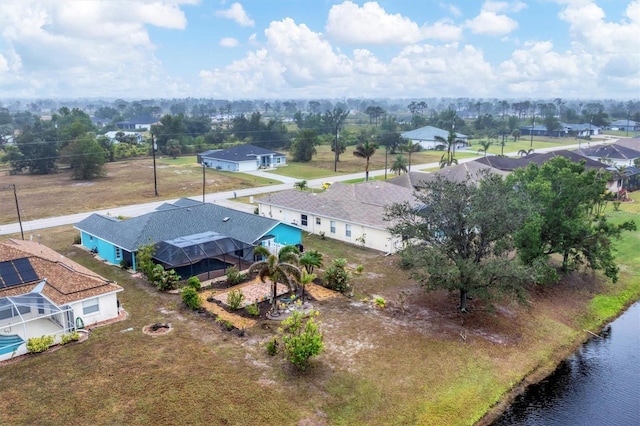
(301, 340)
(77, 239)
(336, 277)
(234, 276)
(272, 346)
(235, 299)
(194, 283)
(224, 323)
(379, 301)
(74, 336)
(253, 309)
(164, 280)
(191, 298)
(39, 344)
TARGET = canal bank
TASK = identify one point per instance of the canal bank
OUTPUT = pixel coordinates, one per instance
(544, 370)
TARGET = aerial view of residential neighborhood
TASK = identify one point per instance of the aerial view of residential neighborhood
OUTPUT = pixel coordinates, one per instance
(319, 212)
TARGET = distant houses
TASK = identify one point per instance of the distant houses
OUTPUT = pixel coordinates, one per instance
(580, 130)
(138, 123)
(242, 158)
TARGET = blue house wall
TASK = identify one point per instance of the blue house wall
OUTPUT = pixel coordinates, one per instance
(104, 249)
(287, 235)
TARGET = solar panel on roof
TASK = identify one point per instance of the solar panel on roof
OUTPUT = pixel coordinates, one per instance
(26, 271)
(8, 274)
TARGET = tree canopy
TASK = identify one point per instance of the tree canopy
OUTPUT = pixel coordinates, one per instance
(568, 217)
(457, 237)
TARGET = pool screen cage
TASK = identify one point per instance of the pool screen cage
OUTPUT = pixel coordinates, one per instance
(27, 315)
(185, 252)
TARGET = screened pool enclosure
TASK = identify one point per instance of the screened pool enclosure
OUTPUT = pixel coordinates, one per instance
(201, 253)
(31, 315)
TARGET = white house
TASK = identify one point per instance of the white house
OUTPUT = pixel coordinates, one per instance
(352, 213)
(44, 293)
(242, 158)
(426, 137)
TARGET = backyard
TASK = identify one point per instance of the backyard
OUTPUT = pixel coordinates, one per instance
(419, 362)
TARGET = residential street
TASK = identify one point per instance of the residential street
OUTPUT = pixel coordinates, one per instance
(222, 198)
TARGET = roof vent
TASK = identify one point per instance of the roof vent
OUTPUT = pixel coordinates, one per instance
(225, 219)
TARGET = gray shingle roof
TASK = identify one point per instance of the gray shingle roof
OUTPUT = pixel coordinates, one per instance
(428, 133)
(632, 143)
(356, 203)
(239, 153)
(613, 151)
(510, 164)
(167, 224)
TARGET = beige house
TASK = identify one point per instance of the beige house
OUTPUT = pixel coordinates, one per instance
(352, 213)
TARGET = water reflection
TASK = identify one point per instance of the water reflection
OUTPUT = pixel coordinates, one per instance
(598, 385)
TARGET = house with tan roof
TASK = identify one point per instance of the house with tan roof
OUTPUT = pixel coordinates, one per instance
(353, 213)
(45, 293)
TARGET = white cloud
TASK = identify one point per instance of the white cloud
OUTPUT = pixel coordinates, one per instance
(369, 24)
(443, 30)
(452, 9)
(503, 6)
(490, 23)
(81, 48)
(228, 42)
(236, 13)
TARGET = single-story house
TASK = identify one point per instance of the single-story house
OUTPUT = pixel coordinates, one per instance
(426, 137)
(138, 123)
(113, 136)
(194, 238)
(45, 293)
(508, 164)
(580, 130)
(625, 125)
(614, 154)
(457, 173)
(242, 158)
(353, 213)
(631, 143)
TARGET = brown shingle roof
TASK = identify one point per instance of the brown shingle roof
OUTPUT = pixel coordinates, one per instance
(67, 281)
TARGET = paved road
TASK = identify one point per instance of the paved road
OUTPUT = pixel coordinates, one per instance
(223, 198)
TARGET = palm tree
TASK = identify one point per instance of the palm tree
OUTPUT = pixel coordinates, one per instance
(409, 146)
(334, 121)
(310, 260)
(277, 268)
(620, 170)
(485, 147)
(301, 185)
(366, 151)
(399, 165)
(306, 278)
(448, 158)
(525, 152)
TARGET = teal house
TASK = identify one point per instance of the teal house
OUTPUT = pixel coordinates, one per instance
(194, 238)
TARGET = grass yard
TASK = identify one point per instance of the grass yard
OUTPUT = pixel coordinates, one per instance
(424, 365)
(127, 182)
(524, 143)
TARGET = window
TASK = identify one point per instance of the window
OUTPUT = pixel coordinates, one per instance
(303, 219)
(118, 253)
(318, 221)
(333, 226)
(347, 230)
(90, 306)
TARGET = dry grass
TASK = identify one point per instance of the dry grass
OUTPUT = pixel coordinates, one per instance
(429, 365)
(127, 182)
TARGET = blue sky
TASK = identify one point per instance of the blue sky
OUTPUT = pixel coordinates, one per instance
(295, 49)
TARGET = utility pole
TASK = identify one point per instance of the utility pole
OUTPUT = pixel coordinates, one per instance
(335, 159)
(15, 195)
(155, 179)
(386, 154)
(203, 179)
(533, 124)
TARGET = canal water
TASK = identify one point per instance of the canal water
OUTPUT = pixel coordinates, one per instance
(598, 385)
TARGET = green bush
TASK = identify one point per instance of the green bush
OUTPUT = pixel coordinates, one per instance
(194, 283)
(39, 344)
(336, 277)
(235, 299)
(191, 298)
(164, 280)
(74, 336)
(234, 276)
(380, 302)
(301, 340)
(272, 346)
(77, 239)
(253, 309)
